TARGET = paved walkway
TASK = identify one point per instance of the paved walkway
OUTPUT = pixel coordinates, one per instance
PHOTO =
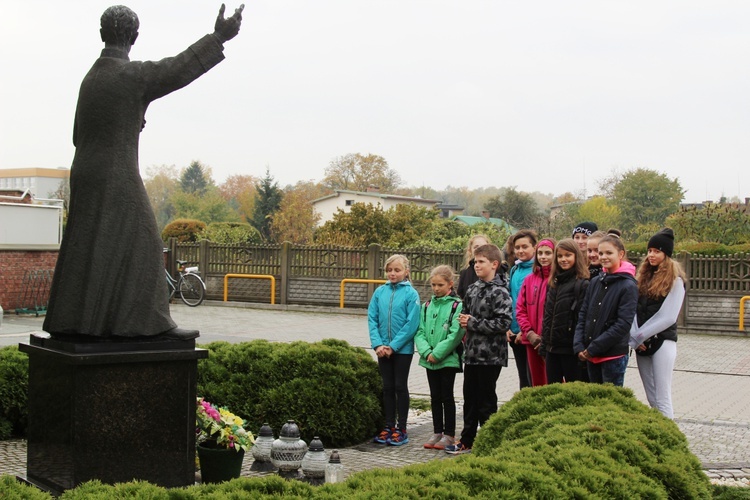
(711, 387)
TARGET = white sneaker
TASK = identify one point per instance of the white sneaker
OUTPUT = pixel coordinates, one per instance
(433, 441)
(444, 441)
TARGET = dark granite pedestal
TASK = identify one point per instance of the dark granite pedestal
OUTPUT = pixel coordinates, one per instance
(111, 411)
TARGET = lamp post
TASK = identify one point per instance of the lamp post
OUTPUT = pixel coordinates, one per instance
(314, 462)
(287, 451)
(261, 450)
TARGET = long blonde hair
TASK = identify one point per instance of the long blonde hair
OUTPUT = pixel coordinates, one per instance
(656, 281)
(468, 253)
(393, 258)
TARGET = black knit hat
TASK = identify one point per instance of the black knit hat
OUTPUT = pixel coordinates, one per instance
(586, 228)
(663, 240)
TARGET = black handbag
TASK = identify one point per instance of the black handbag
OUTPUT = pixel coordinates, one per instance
(652, 345)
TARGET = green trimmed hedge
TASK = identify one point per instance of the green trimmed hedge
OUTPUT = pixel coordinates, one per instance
(594, 438)
(560, 441)
(331, 389)
(14, 382)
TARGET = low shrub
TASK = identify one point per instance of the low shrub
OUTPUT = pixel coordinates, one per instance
(331, 389)
(595, 437)
(185, 230)
(14, 382)
(560, 441)
(13, 489)
(231, 233)
(722, 492)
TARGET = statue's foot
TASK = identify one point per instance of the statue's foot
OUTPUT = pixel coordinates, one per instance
(178, 334)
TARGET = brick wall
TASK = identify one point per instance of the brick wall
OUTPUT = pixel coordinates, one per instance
(714, 312)
(13, 267)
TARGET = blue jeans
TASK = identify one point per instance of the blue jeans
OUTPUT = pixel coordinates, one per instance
(612, 371)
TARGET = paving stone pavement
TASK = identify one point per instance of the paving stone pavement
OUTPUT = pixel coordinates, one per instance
(711, 386)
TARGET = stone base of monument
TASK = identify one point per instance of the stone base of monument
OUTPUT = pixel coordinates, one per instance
(111, 411)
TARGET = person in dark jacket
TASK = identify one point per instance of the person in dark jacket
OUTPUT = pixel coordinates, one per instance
(486, 316)
(568, 282)
(109, 278)
(467, 276)
(653, 335)
(603, 328)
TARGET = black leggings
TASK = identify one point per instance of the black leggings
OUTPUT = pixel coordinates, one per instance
(522, 364)
(395, 374)
(442, 403)
(562, 367)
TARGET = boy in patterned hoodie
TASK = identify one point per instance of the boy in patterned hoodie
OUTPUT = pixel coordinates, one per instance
(486, 316)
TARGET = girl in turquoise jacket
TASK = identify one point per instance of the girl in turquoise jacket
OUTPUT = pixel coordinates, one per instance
(393, 319)
(437, 338)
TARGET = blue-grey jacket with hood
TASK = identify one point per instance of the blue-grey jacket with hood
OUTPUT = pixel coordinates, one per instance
(393, 317)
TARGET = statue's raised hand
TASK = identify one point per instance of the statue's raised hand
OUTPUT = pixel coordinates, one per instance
(226, 29)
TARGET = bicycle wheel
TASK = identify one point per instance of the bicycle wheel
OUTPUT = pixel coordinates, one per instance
(192, 290)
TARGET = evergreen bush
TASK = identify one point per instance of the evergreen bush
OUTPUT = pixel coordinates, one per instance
(14, 382)
(331, 389)
(231, 233)
(12, 488)
(596, 436)
(185, 230)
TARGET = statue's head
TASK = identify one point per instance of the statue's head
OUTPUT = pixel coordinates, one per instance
(119, 26)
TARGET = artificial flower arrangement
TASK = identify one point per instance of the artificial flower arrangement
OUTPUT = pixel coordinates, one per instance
(220, 428)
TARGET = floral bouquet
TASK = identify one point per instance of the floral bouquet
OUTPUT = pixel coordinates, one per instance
(221, 428)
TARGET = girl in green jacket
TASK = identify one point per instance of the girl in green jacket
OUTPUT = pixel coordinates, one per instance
(437, 338)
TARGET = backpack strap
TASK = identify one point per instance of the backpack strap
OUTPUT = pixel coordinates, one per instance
(450, 317)
(453, 312)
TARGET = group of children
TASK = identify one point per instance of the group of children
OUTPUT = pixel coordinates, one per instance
(569, 310)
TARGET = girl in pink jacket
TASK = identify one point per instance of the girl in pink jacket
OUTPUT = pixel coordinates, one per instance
(530, 309)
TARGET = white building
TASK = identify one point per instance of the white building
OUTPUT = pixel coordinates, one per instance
(27, 223)
(40, 182)
(328, 205)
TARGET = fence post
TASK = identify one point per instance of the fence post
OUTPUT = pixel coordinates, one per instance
(286, 262)
(373, 261)
(684, 260)
(172, 256)
(204, 256)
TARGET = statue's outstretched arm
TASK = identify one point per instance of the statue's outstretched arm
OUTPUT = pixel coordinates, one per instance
(226, 29)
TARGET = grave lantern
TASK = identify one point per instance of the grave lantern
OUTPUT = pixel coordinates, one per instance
(261, 450)
(288, 450)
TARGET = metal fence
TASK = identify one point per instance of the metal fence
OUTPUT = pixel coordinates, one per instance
(729, 273)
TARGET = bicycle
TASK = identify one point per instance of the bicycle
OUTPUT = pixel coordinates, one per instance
(189, 284)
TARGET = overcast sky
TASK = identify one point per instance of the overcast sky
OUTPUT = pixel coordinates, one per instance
(546, 96)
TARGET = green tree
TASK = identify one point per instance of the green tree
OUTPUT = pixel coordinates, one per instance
(364, 224)
(268, 198)
(645, 198)
(195, 179)
(728, 224)
(161, 184)
(295, 220)
(598, 210)
(356, 172)
(210, 207)
(516, 208)
(409, 223)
